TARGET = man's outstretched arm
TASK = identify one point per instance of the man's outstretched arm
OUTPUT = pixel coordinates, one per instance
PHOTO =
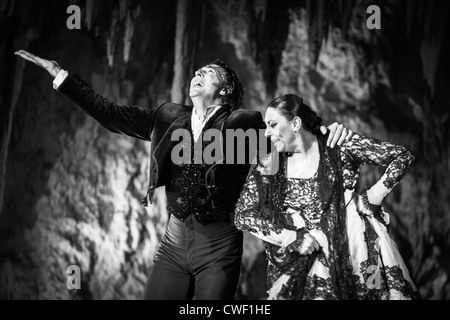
(130, 120)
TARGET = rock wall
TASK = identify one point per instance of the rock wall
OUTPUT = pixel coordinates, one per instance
(72, 190)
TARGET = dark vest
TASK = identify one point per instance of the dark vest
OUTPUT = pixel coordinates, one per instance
(187, 190)
(209, 191)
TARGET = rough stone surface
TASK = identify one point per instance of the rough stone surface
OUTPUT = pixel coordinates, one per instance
(73, 190)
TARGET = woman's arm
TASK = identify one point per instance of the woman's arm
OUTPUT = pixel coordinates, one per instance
(248, 219)
(396, 159)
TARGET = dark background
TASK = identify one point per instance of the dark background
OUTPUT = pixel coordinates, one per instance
(70, 191)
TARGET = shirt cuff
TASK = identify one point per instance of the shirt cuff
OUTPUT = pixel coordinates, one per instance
(59, 79)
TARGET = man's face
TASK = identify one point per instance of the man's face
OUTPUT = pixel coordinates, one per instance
(206, 82)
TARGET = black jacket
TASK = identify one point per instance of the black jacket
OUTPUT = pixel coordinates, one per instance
(224, 180)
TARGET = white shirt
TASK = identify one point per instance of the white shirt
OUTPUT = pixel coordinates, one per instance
(59, 79)
(197, 122)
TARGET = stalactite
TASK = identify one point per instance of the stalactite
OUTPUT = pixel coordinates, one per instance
(320, 21)
(123, 9)
(433, 37)
(202, 25)
(112, 36)
(89, 13)
(124, 19)
(241, 7)
(129, 31)
(340, 6)
(186, 41)
(347, 15)
(410, 6)
(429, 17)
(422, 7)
(429, 52)
(127, 37)
(329, 13)
(11, 79)
(4, 6)
(309, 11)
(260, 7)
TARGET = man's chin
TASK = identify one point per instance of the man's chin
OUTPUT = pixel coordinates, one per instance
(193, 93)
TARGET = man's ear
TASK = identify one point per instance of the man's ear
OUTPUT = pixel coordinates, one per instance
(224, 91)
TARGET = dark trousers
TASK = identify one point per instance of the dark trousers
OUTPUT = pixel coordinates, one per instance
(195, 260)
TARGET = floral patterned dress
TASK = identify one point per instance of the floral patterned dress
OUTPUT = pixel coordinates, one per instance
(377, 268)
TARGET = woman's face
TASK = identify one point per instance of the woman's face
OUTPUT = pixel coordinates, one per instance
(280, 130)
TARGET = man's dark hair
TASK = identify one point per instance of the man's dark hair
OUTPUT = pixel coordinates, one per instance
(235, 92)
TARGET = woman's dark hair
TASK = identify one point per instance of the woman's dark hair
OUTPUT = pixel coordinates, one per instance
(291, 105)
(235, 92)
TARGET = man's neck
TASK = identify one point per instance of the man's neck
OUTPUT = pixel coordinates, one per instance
(201, 105)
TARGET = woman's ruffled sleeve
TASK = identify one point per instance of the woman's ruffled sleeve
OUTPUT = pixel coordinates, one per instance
(395, 158)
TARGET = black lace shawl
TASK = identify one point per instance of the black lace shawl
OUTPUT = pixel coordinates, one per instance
(271, 189)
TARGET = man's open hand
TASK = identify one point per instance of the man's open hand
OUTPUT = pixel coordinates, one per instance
(51, 66)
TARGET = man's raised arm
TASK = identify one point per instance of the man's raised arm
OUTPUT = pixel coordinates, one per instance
(129, 120)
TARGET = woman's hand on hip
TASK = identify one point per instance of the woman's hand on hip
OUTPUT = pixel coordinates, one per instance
(309, 245)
